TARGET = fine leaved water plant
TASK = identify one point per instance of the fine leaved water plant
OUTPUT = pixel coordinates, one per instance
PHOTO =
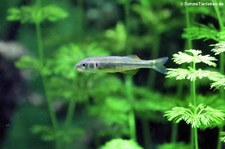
(36, 14)
(117, 36)
(219, 80)
(197, 115)
(209, 32)
(121, 144)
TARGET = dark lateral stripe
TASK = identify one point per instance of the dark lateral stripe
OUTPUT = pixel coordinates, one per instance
(117, 65)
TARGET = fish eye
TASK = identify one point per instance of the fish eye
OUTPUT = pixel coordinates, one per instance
(84, 65)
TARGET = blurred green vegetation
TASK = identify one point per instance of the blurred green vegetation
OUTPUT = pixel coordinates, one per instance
(87, 111)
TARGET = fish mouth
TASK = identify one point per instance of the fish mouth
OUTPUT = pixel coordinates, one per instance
(78, 68)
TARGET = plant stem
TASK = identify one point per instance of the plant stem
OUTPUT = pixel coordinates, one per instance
(132, 125)
(128, 78)
(194, 89)
(218, 15)
(45, 88)
(81, 17)
(131, 115)
(146, 133)
(174, 133)
(154, 54)
(40, 44)
(188, 24)
(193, 95)
(70, 111)
(196, 137)
(219, 143)
(220, 21)
(127, 16)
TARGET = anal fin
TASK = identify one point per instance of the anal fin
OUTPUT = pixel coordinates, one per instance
(130, 72)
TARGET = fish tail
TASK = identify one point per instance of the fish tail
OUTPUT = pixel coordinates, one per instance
(159, 64)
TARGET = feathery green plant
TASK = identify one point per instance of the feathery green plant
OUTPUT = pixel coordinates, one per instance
(117, 36)
(198, 116)
(201, 116)
(210, 32)
(218, 48)
(222, 59)
(37, 14)
(219, 81)
(222, 137)
(121, 144)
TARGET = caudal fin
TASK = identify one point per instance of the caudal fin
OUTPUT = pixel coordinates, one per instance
(159, 64)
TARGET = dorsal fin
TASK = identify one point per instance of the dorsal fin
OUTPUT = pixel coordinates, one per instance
(134, 57)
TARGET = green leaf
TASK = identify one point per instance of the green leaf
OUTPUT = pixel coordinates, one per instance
(64, 134)
(97, 87)
(222, 137)
(219, 84)
(200, 117)
(119, 105)
(54, 13)
(193, 56)
(152, 104)
(47, 131)
(189, 74)
(36, 14)
(121, 144)
(63, 63)
(221, 35)
(28, 62)
(105, 113)
(118, 36)
(218, 48)
(115, 124)
(218, 80)
(201, 32)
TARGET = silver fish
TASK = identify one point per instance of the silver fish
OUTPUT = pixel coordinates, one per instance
(123, 64)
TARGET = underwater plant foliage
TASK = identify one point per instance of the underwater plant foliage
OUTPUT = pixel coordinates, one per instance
(121, 144)
(108, 111)
(198, 116)
(201, 115)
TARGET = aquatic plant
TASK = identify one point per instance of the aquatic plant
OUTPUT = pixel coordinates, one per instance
(37, 14)
(219, 80)
(108, 106)
(174, 145)
(118, 36)
(147, 10)
(210, 32)
(121, 144)
(198, 116)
